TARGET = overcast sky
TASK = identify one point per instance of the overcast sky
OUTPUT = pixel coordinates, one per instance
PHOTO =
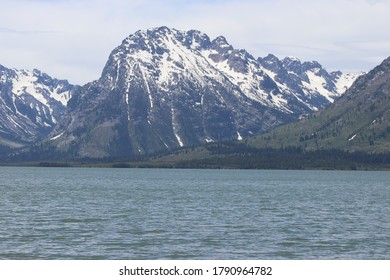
(72, 39)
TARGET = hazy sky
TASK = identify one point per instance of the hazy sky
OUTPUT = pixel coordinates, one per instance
(72, 39)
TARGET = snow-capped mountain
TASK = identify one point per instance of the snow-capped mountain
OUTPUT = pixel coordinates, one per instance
(31, 104)
(164, 88)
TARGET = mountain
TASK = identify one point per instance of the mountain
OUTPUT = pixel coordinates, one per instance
(31, 104)
(353, 134)
(358, 121)
(162, 89)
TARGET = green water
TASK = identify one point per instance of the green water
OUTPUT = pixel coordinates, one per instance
(81, 213)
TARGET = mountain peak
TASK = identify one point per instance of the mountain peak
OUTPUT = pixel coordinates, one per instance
(271, 57)
(308, 65)
(162, 29)
(271, 62)
(195, 39)
(220, 44)
(289, 61)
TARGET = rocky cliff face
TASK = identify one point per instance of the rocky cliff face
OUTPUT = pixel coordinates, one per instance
(31, 104)
(163, 88)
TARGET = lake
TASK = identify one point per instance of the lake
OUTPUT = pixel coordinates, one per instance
(98, 213)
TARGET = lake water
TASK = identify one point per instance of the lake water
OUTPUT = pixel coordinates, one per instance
(81, 213)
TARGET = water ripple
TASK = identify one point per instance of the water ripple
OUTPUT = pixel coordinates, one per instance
(71, 213)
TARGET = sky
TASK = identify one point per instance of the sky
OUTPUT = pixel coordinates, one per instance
(72, 39)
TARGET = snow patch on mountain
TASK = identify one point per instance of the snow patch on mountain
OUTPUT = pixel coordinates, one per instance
(26, 82)
(318, 84)
(344, 81)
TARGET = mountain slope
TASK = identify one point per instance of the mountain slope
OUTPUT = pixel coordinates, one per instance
(358, 121)
(163, 88)
(31, 104)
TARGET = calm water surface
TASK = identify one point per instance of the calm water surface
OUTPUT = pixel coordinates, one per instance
(80, 213)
